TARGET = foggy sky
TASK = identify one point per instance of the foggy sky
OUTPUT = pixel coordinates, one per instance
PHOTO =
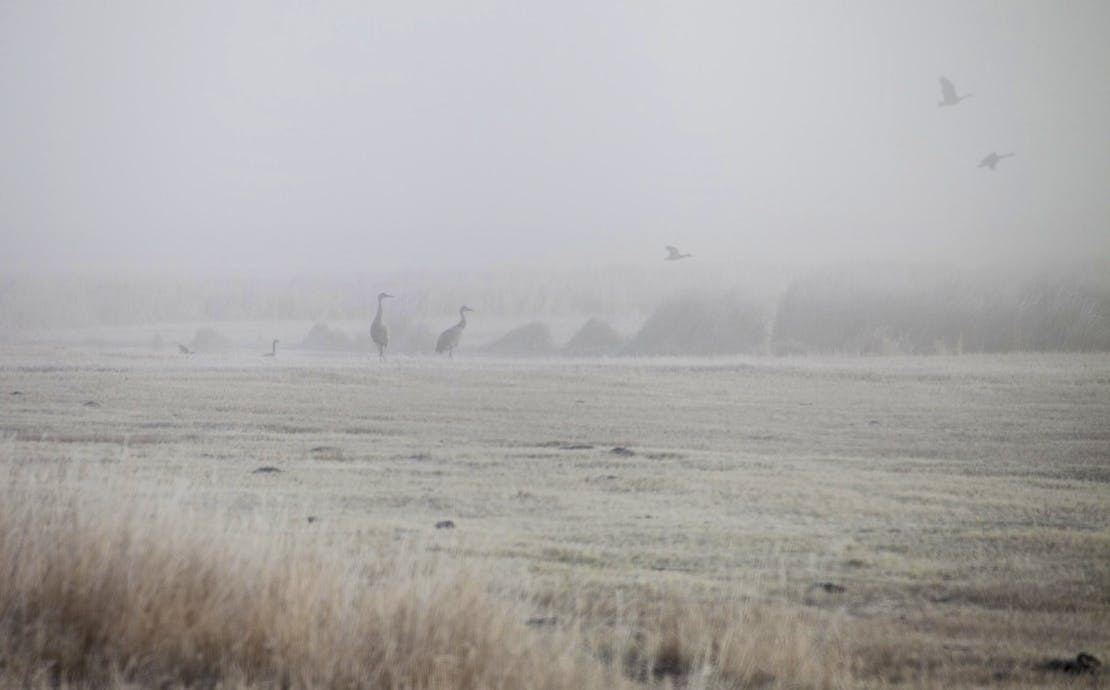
(274, 136)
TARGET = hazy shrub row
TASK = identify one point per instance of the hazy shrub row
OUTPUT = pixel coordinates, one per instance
(880, 309)
(918, 312)
(690, 325)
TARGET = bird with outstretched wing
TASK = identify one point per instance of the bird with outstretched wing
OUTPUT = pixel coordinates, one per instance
(673, 254)
(948, 93)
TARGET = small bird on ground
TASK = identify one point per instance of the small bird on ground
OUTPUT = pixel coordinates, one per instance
(379, 332)
(673, 254)
(273, 350)
(449, 339)
(948, 93)
(183, 350)
(992, 160)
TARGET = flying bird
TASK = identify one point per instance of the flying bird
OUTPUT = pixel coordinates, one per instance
(449, 339)
(992, 160)
(674, 255)
(273, 350)
(948, 93)
(379, 332)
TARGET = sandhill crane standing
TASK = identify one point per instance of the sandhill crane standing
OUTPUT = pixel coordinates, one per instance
(992, 160)
(183, 350)
(674, 255)
(449, 339)
(948, 94)
(273, 350)
(379, 332)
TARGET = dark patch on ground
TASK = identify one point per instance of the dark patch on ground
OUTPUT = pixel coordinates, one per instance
(623, 452)
(1082, 663)
(820, 593)
(266, 469)
(445, 524)
(601, 478)
(327, 453)
(563, 445)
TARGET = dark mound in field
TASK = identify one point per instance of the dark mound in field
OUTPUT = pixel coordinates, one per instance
(321, 337)
(1082, 663)
(725, 325)
(531, 339)
(210, 340)
(596, 338)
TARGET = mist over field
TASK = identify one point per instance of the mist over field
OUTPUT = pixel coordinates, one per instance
(289, 138)
(267, 161)
(583, 345)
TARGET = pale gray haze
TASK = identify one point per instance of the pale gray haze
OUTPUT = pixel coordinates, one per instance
(280, 137)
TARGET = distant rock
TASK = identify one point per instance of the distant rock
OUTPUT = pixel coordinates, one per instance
(701, 326)
(533, 339)
(321, 337)
(445, 524)
(596, 338)
(333, 453)
(266, 469)
(210, 340)
(1082, 663)
(820, 593)
(622, 451)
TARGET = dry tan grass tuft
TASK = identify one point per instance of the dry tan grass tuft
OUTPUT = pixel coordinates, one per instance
(103, 588)
(671, 637)
(94, 595)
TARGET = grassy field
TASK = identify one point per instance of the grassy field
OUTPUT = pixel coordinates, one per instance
(919, 522)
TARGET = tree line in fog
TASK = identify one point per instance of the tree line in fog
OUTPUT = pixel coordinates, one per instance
(846, 310)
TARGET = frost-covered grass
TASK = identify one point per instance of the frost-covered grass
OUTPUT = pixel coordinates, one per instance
(963, 503)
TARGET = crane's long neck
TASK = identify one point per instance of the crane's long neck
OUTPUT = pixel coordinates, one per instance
(273, 348)
(378, 317)
(462, 318)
